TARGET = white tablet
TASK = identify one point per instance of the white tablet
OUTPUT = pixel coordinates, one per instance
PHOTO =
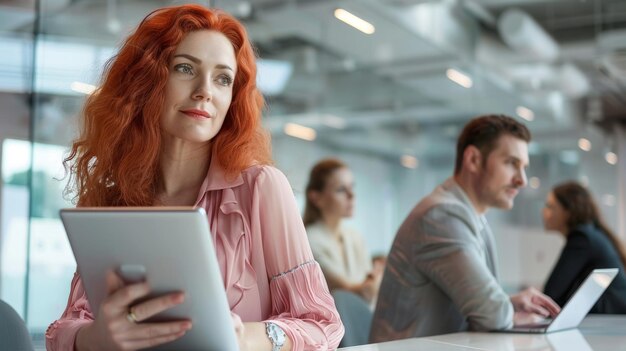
(172, 249)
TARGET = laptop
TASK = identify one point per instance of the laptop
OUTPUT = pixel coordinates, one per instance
(171, 249)
(576, 307)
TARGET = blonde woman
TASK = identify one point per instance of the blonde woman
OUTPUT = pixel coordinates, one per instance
(340, 251)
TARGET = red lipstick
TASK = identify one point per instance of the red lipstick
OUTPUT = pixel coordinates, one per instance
(195, 113)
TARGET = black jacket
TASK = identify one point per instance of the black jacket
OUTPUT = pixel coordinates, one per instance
(588, 248)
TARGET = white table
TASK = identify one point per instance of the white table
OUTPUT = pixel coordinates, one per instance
(596, 332)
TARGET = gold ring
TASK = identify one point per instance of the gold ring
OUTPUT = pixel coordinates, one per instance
(131, 316)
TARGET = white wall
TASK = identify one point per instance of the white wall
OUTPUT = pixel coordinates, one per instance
(526, 255)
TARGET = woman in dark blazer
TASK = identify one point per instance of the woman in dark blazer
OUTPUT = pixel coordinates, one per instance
(571, 211)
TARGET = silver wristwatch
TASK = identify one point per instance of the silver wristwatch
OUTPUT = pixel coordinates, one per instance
(276, 335)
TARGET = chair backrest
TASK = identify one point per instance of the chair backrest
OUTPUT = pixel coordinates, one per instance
(13, 333)
(356, 316)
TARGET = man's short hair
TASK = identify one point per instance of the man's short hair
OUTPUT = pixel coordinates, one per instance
(484, 131)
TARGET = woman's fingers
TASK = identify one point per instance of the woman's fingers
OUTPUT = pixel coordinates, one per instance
(125, 332)
(124, 297)
(155, 330)
(157, 305)
(142, 344)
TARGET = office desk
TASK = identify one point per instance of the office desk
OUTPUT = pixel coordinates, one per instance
(596, 332)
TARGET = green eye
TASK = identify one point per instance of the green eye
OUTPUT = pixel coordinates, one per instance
(184, 68)
(225, 80)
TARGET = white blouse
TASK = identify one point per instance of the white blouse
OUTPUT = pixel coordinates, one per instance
(352, 265)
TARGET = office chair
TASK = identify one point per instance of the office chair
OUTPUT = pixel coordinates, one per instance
(356, 316)
(13, 333)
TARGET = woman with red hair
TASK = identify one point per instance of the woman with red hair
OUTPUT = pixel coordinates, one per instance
(176, 122)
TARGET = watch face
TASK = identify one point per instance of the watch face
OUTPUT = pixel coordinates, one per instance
(276, 334)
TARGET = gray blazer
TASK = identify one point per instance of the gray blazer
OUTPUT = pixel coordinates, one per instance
(441, 274)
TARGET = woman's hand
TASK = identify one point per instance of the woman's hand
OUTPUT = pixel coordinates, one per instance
(251, 336)
(118, 325)
(368, 290)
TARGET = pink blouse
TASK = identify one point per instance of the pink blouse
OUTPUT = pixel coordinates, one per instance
(264, 255)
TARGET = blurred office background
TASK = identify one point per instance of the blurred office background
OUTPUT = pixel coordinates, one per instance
(388, 97)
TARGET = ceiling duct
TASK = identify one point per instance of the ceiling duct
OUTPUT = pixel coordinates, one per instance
(445, 24)
(573, 83)
(612, 48)
(524, 35)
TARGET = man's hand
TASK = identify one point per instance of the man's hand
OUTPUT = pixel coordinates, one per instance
(526, 318)
(532, 300)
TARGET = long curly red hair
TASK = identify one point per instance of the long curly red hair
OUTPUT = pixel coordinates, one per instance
(115, 161)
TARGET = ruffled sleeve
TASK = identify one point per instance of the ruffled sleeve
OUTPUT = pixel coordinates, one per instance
(61, 334)
(301, 303)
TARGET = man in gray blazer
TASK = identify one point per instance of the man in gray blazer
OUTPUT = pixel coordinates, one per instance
(441, 275)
